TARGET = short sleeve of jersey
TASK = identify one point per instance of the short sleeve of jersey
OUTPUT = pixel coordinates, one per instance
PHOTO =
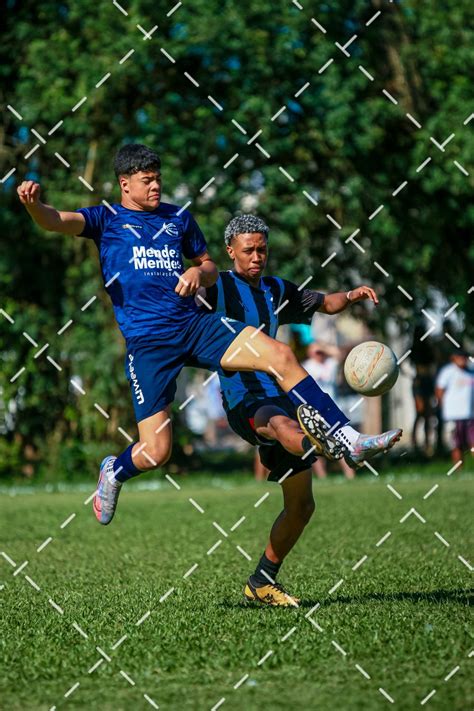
(95, 217)
(301, 304)
(194, 243)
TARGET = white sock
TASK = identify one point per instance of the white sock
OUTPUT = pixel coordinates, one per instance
(347, 435)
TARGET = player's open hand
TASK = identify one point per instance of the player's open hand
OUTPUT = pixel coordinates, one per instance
(361, 293)
(189, 282)
(28, 192)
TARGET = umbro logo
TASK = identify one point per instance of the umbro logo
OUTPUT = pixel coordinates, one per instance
(170, 228)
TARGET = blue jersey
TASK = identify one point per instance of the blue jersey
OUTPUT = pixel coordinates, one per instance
(273, 303)
(141, 256)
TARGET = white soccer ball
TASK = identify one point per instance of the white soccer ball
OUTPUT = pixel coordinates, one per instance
(371, 368)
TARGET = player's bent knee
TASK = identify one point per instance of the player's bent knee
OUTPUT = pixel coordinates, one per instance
(303, 511)
(284, 357)
(156, 455)
(307, 511)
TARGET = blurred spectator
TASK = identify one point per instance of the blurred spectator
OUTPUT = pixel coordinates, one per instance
(423, 358)
(455, 393)
(321, 471)
(300, 337)
(205, 415)
(323, 366)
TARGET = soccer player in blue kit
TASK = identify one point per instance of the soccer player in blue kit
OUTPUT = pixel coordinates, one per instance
(257, 408)
(142, 244)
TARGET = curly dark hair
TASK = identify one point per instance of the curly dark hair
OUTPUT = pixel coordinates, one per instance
(135, 157)
(242, 224)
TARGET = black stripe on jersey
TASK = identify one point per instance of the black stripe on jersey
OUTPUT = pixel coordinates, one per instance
(262, 308)
(211, 298)
(276, 290)
(234, 308)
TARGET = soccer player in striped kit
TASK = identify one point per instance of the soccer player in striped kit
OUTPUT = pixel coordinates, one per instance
(260, 412)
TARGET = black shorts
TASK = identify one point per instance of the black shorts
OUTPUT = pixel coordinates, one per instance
(423, 386)
(272, 455)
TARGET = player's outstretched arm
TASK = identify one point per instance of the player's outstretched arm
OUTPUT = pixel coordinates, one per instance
(337, 302)
(47, 217)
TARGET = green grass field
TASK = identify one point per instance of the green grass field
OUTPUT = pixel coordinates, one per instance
(402, 616)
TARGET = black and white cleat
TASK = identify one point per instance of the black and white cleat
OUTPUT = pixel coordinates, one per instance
(316, 429)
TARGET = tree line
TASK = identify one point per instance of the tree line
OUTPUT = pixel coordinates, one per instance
(346, 126)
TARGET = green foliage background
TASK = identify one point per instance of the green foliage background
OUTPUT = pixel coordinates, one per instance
(342, 141)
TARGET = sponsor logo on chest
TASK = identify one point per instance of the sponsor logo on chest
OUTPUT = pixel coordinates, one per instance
(164, 261)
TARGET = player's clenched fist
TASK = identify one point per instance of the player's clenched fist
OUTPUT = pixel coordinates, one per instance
(29, 192)
(189, 282)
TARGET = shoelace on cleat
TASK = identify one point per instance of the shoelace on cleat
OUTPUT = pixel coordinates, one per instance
(280, 588)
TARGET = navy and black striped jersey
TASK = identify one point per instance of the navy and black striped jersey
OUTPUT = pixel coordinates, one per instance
(274, 303)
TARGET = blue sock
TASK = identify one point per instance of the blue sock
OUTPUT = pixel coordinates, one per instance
(308, 390)
(124, 468)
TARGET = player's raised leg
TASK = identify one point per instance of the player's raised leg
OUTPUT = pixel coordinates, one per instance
(319, 416)
(253, 350)
(298, 507)
(359, 447)
(151, 451)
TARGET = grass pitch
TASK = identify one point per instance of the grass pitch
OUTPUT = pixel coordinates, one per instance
(394, 628)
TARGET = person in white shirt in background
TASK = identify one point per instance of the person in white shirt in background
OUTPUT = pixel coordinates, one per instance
(455, 393)
(323, 365)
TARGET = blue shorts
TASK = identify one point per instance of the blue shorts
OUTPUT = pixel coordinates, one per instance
(153, 363)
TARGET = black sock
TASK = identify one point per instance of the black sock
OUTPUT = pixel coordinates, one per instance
(271, 569)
